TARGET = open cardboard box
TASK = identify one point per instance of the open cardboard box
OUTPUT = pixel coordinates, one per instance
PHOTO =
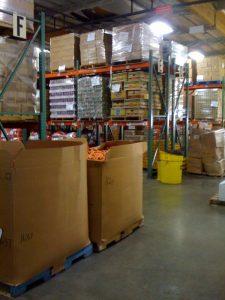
(43, 206)
(115, 189)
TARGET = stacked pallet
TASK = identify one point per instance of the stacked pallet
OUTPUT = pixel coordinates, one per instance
(96, 48)
(21, 95)
(206, 152)
(118, 95)
(133, 133)
(64, 52)
(93, 98)
(133, 42)
(211, 68)
(62, 99)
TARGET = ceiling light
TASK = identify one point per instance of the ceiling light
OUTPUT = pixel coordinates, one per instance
(160, 28)
(196, 55)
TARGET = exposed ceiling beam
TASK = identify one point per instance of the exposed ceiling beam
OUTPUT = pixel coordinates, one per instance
(205, 42)
(209, 14)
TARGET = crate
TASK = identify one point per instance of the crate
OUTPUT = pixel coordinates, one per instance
(134, 94)
(141, 113)
(136, 85)
(117, 112)
(139, 75)
(135, 103)
(117, 77)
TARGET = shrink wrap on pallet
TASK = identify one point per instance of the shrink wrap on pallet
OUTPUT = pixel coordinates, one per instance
(133, 42)
(21, 94)
(96, 48)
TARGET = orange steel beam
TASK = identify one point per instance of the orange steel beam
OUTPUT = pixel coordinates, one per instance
(100, 70)
(209, 86)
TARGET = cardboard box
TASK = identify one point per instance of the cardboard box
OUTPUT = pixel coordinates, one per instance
(215, 168)
(64, 51)
(43, 206)
(194, 165)
(212, 139)
(115, 190)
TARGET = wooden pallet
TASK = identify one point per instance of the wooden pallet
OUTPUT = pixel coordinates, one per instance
(129, 118)
(215, 200)
(126, 62)
(23, 118)
(17, 290)
(117, 237)
(92, 66)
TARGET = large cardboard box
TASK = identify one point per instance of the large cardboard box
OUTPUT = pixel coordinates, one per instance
(115, 190)
(64, 51)
(214, 138)
(43, 206)
(194, 165)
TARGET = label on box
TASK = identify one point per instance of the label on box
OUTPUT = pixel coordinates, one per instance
(95, 80)
(127, 48)
(69, 106)
(214, 103)
(91, 36)
(116, 87)
(62, 68)
(123, 36)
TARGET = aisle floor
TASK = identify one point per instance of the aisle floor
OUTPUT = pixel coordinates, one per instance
(178, 255)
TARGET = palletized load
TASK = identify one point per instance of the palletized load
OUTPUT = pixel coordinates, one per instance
(43, 208)
(20, 97)
(64, 52)
(133, 42)
(211, 68)
(115, 202)
(174, 50)
(96, 48)
(207, 152)
(21, 7)
(62, 98)
(93, 97)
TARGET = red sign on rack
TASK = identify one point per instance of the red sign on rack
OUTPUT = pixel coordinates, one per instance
(164, 9)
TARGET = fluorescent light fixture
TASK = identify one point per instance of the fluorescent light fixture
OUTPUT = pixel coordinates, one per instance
(160, 28)
(196, 55)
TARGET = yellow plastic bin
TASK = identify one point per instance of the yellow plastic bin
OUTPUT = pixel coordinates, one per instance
(170, 168)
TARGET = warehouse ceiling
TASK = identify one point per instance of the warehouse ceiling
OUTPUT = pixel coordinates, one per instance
(86, 15)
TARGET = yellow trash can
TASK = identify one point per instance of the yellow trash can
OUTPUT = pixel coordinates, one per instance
(170, 168)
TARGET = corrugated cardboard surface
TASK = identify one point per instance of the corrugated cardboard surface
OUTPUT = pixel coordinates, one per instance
(115, 190)
(43, 206)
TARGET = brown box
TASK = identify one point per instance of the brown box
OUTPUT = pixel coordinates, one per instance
(115, 190)
(215, 168)
(64, 51)
(212, 139)
(43, 206)
(96, 47)
(194, 165)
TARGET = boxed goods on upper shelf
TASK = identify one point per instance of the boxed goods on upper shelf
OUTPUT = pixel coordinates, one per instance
(64, 52)
(62, 98)
(133, 42)
(40, 234)
(93, 97)
(21, 7)
(174, 50)
(21, 94)
(211, 68)
(96, 48)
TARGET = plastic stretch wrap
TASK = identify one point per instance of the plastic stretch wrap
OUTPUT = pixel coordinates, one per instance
(134, 41)
(174, 50)
(21, 94)
(62, 98)
(21, 7)
(93, 97)
(96, 47)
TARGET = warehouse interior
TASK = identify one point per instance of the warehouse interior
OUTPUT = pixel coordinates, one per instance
(112, 149)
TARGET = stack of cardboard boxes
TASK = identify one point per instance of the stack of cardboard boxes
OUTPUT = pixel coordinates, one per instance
(96, 48)
(21, 96)
(64, 52)
(118, 94)
(211, 68)
(133, 42)
(206, 152)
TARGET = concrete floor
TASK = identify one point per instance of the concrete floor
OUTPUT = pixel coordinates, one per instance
(178, 255)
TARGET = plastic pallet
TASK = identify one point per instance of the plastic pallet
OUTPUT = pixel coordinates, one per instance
(18, 290)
